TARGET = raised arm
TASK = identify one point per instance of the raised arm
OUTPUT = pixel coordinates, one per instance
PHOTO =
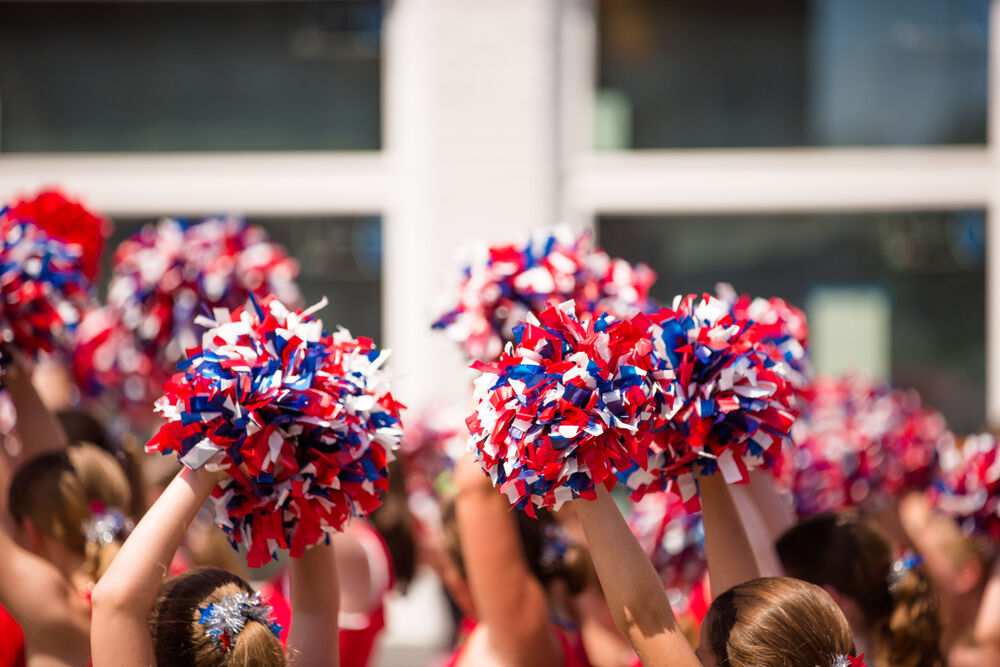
(633, 590)
(313, 637)
(509, 600)
(37, 427)
(125, 594)
(730, 556)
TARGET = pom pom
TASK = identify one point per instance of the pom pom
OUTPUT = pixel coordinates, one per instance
(782, 328)
(561, 407)
(674, 540)
(303, 421)
(431, 446)
(162, 278)
(504, 283)
(860, 443)
(42, 288)
(968, 487)
(723, 403)
(69, 222)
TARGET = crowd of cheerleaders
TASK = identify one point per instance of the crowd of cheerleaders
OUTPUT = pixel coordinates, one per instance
(584, 381)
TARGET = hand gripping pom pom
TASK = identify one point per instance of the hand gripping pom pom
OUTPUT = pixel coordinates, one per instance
(162, 278)
(674, 541)
(722, 402)
(861, 443)
(968, 486)
(560, 407)
(42, 287)
(69, 222)
(505, 283)
(303, 420)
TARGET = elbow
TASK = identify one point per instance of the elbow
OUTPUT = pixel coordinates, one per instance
(109, 597)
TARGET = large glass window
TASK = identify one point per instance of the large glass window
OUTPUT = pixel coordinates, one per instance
(189, 76)
(896, 293)
(339, 258)
(730, 73)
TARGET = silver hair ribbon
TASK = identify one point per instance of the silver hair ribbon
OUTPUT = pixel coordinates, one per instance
(104, 527)
(224, 620)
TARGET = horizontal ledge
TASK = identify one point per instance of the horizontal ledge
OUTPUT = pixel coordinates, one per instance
(786, 180)
(203, 183)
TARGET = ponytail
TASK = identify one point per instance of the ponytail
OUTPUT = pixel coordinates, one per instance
(909, 638)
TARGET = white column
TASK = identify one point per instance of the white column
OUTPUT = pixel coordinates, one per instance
(993, 227)
(471, 100)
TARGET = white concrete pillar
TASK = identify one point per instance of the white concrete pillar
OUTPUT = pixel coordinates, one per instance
(471, 102)
(992, 304)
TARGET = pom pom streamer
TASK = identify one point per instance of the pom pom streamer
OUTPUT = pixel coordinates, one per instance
(303, 422)
(561, 407)
(42, 288)
(722, 402)
(69, 222)
(784, 333)
(968, 485)
(163, 277)
(861, 443)
(502, 284)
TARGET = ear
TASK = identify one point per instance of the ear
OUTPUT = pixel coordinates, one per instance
(968, 576)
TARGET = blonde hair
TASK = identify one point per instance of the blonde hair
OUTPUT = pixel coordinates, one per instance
(59, 492)
(179, 638)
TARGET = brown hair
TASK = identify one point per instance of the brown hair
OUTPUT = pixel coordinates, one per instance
(850, 555)
(777, 621)
(392, 521)
(180, 640)
(59, 491)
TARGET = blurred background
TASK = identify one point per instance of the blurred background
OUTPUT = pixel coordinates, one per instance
(841, 154)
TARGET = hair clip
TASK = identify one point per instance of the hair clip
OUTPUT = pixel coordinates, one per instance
(844, 660)
(906, 562)
(225, 619)
(106, 526)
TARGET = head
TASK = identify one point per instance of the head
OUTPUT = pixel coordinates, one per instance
(54, 497)
(774, 621)
(551, 558)
(852, 560)
(181, 639)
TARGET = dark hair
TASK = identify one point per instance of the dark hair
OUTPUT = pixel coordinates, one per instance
(548, 555)
(776, 621)
(179, 640)
(59, 491)
(847, 553)
(392, 521)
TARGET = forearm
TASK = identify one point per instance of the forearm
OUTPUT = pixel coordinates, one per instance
(730, 556)
(631, 586)
(37, 428)
(134, 577)
(315, 597)
(775, 509)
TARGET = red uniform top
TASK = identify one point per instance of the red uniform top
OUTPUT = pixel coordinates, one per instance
(11, 641)
(358, 632)
(574, 655)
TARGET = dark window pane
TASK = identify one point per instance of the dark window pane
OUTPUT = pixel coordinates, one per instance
(792, 72)
(926, 268)
(189, 76)
(339, 258)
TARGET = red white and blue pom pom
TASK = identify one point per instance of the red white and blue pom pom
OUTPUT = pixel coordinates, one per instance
(782, 326)
(968, 486)
(162, 278)
(43, 289)
(724, 404)
(674, 540)
(561, 407)
(860, 442)
(504, 283)
(303, 420)
(67, 221)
